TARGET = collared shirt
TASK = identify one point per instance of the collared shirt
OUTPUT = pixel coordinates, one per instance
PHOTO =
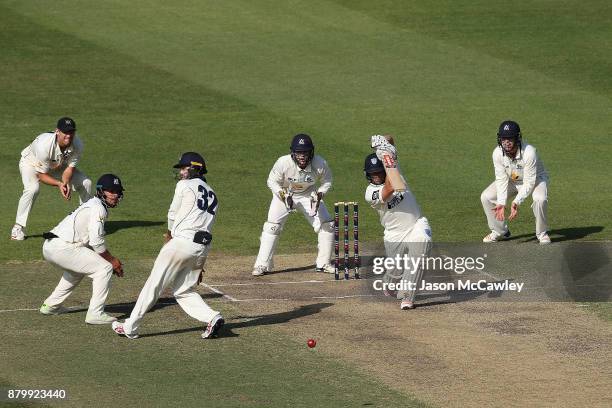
(194, 208)
(85, 225)
(45, 154)
(524, 171)
(398, 214)
(287, 175)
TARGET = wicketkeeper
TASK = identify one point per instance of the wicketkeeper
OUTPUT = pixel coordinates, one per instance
(293, 181)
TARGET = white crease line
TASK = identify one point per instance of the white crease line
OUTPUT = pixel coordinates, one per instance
(262, 300)
(220, 285)
(341, 297)
(17, 310)
(218, 292)
(492, 276)
(267, 283)
(301, 299)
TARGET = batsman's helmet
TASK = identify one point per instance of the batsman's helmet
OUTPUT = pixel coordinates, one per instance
(373, 165)
(509, 129)
(195, 162)
(302, 143)
(108, 182)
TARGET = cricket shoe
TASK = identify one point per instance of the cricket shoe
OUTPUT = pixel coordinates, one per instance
(212, 330)
(406, 304)
(259, 270)
(52, 310)
(327, 268)
(100, 319)
(496, 237)
(543, 238)
(17, 233)
(120, 330)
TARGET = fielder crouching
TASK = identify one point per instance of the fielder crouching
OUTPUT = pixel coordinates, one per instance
(181, 260)
(77, 245)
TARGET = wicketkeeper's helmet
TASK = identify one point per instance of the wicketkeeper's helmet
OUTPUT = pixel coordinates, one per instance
(302, 143)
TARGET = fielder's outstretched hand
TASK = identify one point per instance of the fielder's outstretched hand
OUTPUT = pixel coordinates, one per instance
(499, 211)
(513, 212)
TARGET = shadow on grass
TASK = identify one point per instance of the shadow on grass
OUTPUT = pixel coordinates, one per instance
(114, 226)
(163, 302)
(296, 269)
(252, 321)
(564, 234)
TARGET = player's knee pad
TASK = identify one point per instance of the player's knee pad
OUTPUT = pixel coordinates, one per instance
(327, 227)
(272, 228)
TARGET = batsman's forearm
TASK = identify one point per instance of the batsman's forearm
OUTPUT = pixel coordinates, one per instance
(47, 179)
(387, 190)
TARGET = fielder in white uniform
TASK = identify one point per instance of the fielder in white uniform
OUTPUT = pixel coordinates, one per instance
(519, 173)
(77, 245)
(406, 230)
(181, 260)
(293, 181)
(51, 158)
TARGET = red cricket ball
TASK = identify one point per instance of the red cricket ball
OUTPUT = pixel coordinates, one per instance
(311, 343)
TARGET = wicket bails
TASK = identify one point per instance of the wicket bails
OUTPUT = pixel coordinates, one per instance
(356, 260)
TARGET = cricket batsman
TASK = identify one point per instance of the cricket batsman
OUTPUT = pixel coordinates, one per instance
(407, 232)
(293, 181)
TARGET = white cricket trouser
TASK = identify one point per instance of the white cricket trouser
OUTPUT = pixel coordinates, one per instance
(539, 206)
(78, 261)
(322, 223)
(31, 185)
(178, 265)
(415, 243)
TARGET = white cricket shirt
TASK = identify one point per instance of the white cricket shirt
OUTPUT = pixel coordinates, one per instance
(194, 208)
(85, 225)
(287, 175)
(398, 215)
(524, 171)
(45, 154)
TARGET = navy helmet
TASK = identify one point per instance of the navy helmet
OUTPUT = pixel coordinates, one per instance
(302, 143)
(195, 162)
(66, 124)
(509, 129)
(373, 165)
(109, 182)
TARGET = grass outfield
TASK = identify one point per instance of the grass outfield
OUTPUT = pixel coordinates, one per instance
(147, 80)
